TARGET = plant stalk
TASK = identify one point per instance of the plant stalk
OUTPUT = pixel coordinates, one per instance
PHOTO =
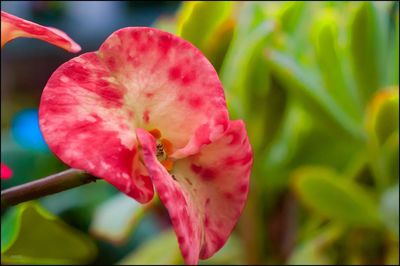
(52, 184)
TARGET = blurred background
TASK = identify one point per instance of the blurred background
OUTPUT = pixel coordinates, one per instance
(316, 84)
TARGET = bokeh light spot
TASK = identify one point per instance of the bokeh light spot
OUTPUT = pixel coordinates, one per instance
(26, 132)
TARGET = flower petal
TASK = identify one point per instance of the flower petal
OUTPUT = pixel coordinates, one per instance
(171, 84)
(13, 27)
(83, 121)
(206, 194)
(6, 171)
(140, 77)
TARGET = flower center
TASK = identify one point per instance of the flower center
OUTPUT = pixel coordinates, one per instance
(163, 149)
(161, 154)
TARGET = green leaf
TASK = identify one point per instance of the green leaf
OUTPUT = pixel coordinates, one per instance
(231, 253)
(216, 48)
(83, 198)
(198, 20)
(383, 115)
(335, 198)
(368, 44)
(115, 219)
(162, 250)
(313, 251)
(237, 66)
(290, 15)
(393, 42)
(207, 25)
(303, 85)
(31, 235)
(382, 124)
(250, 92)
(295, 145)
(389, 157)
(252, 15)
(330, 61)
(9, 229)
(166, 23)
(392, 255)
(277, 160)
(396, 48)
(390, 209)
(266, 112)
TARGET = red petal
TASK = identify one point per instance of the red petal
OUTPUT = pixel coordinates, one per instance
(209, 193)
(171, 84)
(6, 172)
(140, 77)
(83, 122)
(13, 27)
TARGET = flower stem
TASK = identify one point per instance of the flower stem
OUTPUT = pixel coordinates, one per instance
(45, 186)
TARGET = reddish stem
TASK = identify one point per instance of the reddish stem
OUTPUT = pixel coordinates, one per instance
(45, 186)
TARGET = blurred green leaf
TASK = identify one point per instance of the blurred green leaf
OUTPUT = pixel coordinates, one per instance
(231, 253)
(166, 23)
(294, 21)
(396, 49)
(290, 15)
(31, 235)
(390, 209)
(335, 198)
(266, 114)
(393, 43)
(9, 229)
(115, 219)
(250, 91)
(368, 44)
(218, 45)
(312, 251)
(198, 20)
(392, 254)
(329, 55)
(162, 249)
(295, 145)
(383, 115)
(276, 160)
(304, 85)
(84, 198)
(207, 25)
(382, 124)
(251, 16)
(389, 158)
(236, 67)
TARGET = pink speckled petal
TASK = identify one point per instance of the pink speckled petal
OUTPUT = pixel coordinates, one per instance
(209, 193)
(13, 27)
(6, 171)
(84, 122)
(140, 78)
(170, 84)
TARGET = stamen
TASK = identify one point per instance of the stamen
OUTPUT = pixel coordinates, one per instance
(160, 152)
(167, 146)
(168, 164)
(163, 149)
(156, 133)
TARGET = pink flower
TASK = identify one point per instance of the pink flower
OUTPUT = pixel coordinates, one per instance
(13, 27)
(6, 172)
(148, 109)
